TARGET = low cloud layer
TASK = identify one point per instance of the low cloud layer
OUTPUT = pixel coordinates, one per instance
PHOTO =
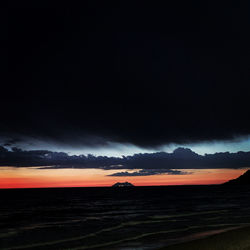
(147, 172)
(147, 163)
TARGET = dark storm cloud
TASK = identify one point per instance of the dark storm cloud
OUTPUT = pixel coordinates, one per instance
(10, 142)
(123, 71)
(148, 172)
(181, 158)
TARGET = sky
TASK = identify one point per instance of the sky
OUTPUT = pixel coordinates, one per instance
(124, 80)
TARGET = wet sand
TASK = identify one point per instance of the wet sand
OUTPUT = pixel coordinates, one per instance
(233, 239)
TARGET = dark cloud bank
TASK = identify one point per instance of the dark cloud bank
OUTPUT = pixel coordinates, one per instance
(147, 172)
(148, 163)
(146, 74)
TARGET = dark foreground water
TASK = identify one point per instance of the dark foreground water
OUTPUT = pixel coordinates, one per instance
(117, 218)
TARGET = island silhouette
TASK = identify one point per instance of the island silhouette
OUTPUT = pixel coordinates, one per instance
(123, 184)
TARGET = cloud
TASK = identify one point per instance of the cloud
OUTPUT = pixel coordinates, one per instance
(181, 158)
(11, 142)
(99, 80)
(148, 172)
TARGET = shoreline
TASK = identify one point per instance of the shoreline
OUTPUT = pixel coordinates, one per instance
(231, 239)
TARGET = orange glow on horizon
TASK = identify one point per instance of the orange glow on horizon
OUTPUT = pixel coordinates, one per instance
(11, 177)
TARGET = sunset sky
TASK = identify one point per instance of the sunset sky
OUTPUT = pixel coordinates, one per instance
(124, 91)
(33, 178)
(142, 169)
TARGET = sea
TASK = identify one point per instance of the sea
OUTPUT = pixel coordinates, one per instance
(138, 218)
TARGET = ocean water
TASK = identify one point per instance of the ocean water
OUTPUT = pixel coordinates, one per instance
(118, 218)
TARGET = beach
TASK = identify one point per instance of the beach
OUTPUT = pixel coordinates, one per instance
(230, 240)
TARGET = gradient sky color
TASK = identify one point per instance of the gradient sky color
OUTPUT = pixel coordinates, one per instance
(11, 177)
(33, 177)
